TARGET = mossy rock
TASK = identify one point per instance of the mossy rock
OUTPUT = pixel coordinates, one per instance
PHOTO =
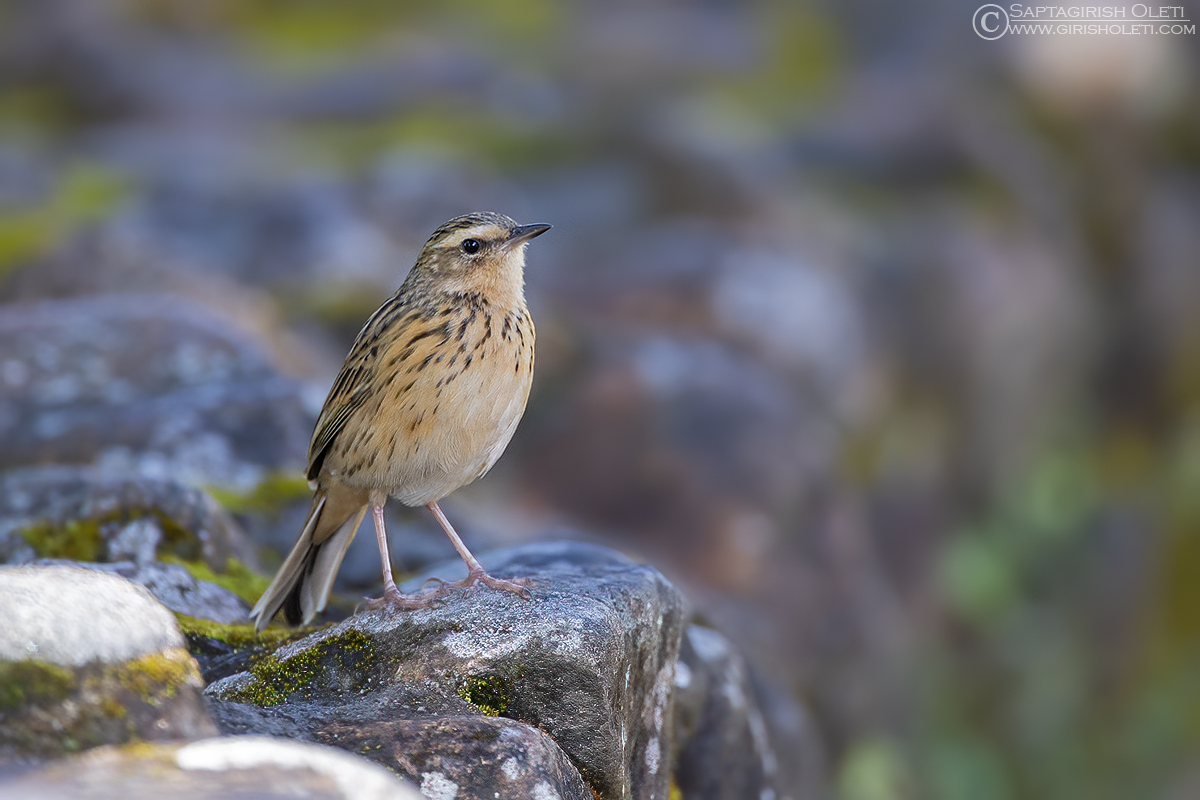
(222, 650)
(33, 683)
(79, 510)
(274, 678)
(47, 710)
(76, 540)
(488, 693)
(237, 578)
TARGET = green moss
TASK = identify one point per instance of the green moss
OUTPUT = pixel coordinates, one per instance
(275, 679)
(34, 683)
(144, 753)
(23, 236)
(241, 636)
(488, 694)
(83, 539)
(270, 495)
(158, 676)
(79, 540)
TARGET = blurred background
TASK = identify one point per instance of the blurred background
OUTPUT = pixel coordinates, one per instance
(880, 339)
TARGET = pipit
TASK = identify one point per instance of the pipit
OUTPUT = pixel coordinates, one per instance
(425, 403)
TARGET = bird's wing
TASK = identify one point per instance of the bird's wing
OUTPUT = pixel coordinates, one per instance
(353, 384)
(352, 387)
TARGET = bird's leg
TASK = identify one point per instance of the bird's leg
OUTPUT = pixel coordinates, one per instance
(392, 595)
(389, 583)
(475, 571)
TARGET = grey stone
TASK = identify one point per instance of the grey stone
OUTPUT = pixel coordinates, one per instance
(71, 616)
(589, 659)
(229, 768)
(137, 542)
(177, 589)
(88, 659)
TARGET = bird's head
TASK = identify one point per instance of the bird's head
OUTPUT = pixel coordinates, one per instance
(481, 252)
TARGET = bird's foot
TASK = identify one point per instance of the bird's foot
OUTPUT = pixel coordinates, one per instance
(515, 586)
(394, 598)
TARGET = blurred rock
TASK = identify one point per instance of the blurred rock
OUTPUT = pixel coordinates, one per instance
(286, 235)
(797, 311)
(94, 514)
(1022, 323)
(90, 659)
(728, 747)
(152, 384)
(104, 55)
(69, 616)
(1089, 73)
(679, 445)
(208, 769)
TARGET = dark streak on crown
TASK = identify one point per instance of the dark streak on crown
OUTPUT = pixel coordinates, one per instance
(470, 221)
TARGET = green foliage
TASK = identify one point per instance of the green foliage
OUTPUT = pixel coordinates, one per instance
(964, 769)
(978, 576)
(1044, 695)
(987, 570)
(874, 769)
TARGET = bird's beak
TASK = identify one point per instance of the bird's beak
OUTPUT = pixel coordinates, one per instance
(523, 233)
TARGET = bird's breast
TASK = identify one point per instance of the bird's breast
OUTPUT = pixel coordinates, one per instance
(446, 400)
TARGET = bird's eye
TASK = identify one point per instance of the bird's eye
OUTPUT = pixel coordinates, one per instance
(470, 246)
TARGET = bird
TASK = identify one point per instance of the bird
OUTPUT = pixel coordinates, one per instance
(427, 400)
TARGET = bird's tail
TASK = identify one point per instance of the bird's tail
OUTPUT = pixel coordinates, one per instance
(302, 584)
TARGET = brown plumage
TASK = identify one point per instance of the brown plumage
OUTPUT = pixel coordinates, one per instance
(426, 401)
